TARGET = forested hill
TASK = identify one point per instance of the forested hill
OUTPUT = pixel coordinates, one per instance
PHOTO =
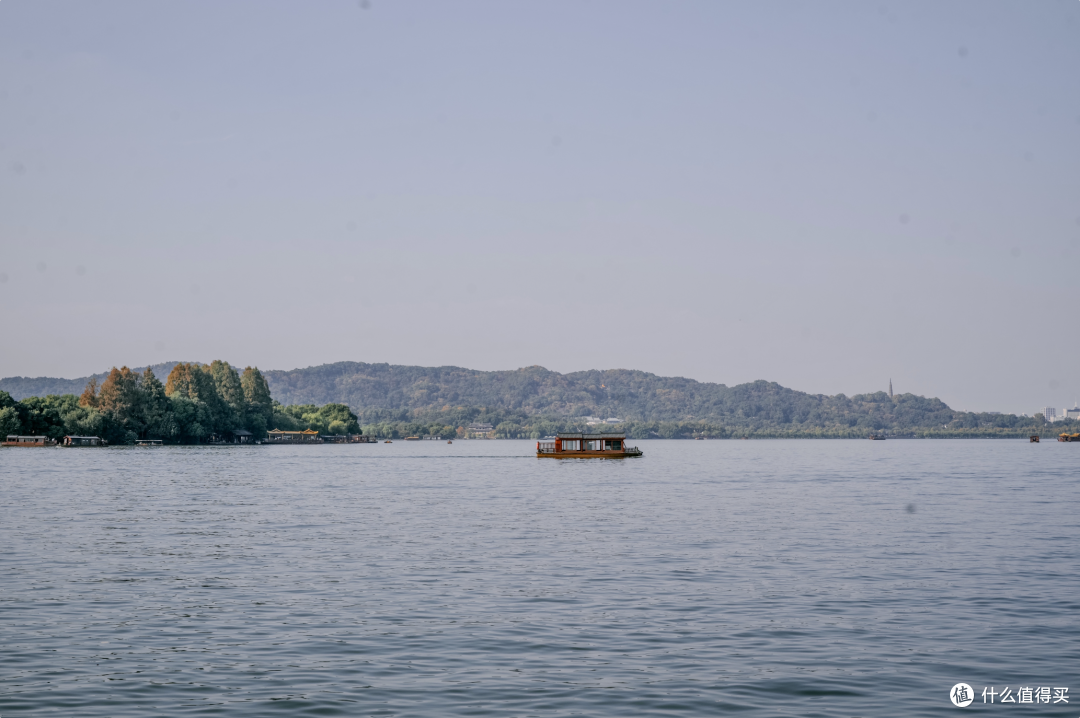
(531, 391)
(401, 392)
(535, 401)
(21, 387)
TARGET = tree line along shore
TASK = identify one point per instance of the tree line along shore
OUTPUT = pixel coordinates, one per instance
(199, 403)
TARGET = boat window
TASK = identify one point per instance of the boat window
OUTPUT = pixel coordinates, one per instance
(571, 445)
(613, 445)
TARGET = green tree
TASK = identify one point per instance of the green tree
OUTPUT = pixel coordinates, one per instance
(285, 419)
(84, 421)
(193, 420)
(229, 389)
(6, 401)
(258, 404)
(157, 411)
(207, 412)
(329, 414)
(41, 416)
(10, 423)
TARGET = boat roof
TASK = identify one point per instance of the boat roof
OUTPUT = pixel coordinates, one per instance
(562, 435)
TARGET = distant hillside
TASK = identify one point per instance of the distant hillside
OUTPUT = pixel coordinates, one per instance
(20, 387)
(533, 400)
(622, 393)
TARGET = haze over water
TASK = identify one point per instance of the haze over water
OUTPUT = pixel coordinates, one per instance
(809, 578)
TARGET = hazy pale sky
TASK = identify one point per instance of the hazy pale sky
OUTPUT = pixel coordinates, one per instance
(822, 194)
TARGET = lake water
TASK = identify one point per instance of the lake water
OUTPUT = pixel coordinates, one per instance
(759, 578)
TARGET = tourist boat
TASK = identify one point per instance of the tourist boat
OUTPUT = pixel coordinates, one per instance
(877, 437)
(72, 440)
(13, 440)
(586, 446)
(1068, 437)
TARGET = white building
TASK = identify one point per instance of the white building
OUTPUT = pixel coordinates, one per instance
(1073, 413)
(1049, 413)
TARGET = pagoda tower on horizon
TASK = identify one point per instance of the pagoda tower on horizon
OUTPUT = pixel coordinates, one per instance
(890, 387)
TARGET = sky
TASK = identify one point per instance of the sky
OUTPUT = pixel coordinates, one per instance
(822, 194)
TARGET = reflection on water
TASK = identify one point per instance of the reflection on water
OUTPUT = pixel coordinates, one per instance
(829, 578)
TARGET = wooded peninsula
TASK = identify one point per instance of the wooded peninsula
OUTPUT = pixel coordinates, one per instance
(196, 404)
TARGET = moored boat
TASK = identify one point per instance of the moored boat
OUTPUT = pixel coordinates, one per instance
(72, 440)
(586, 446)
(13, 440)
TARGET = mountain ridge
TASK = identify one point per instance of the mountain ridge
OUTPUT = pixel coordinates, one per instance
(382, 392)
(629, 394)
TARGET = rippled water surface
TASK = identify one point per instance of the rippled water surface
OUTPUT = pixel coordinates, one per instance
(803, 578)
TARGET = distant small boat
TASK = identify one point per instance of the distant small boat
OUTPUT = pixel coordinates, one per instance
(449, 442)
(388, 442)
(1034, 439)
(412, 438)
(877, 437)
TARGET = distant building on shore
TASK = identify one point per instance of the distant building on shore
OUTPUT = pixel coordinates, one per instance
(480, 431)
(1073, 413)
(307, 436)
(1049, 413)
